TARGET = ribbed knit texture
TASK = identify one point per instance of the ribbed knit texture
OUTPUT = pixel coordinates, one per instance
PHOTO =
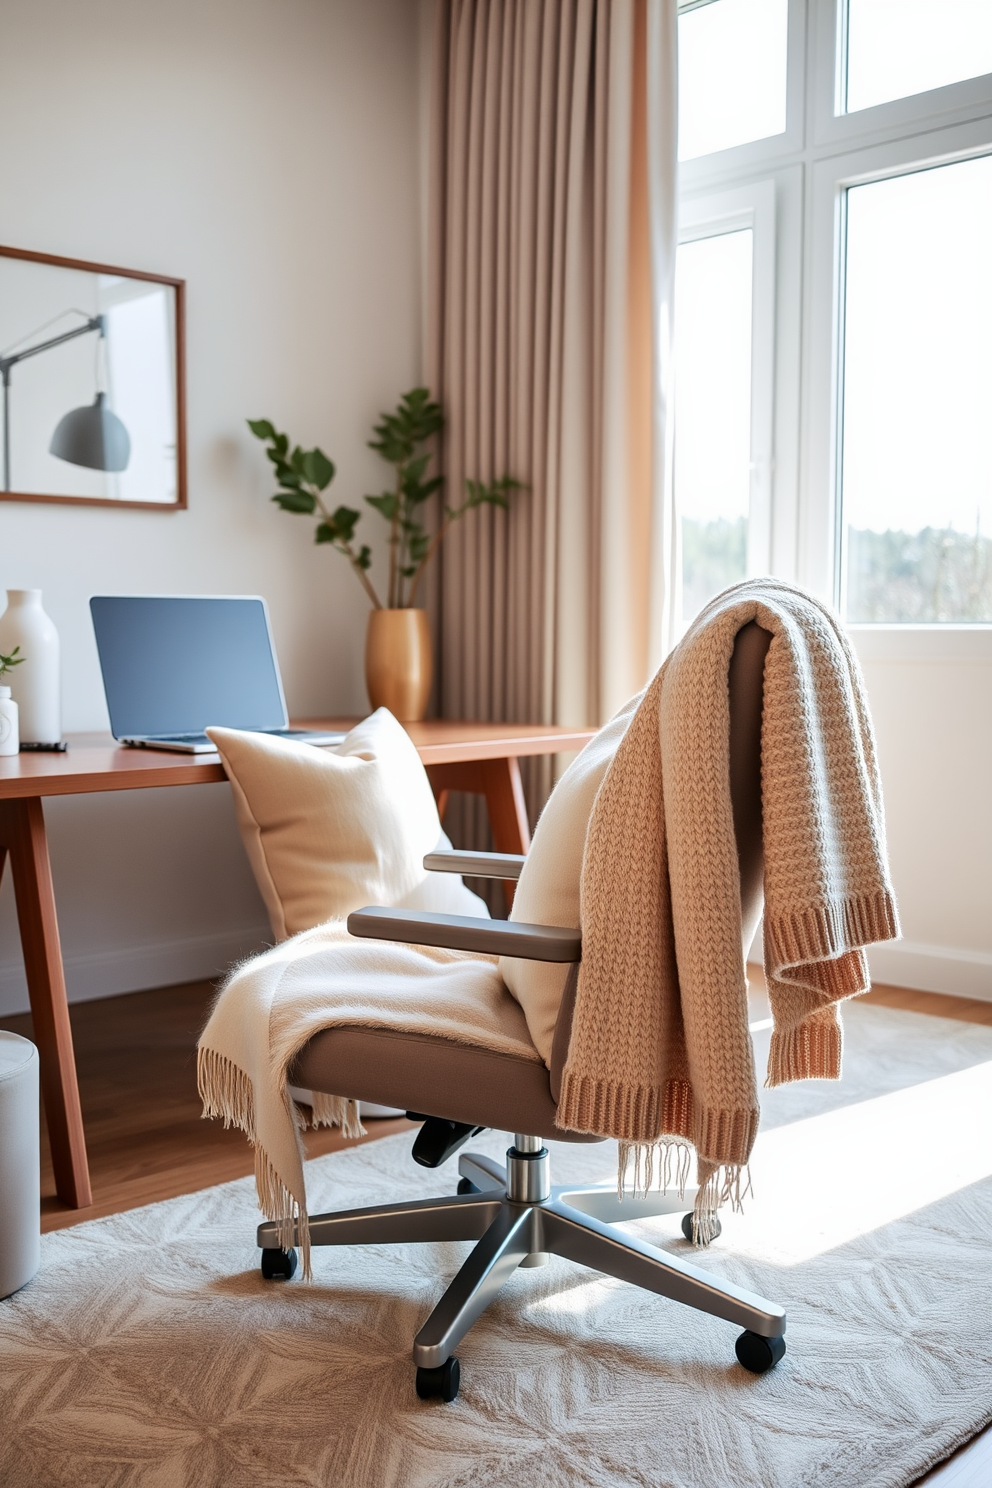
(660, 1049)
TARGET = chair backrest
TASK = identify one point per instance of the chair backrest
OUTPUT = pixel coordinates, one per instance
(747, 667)
(745, 681)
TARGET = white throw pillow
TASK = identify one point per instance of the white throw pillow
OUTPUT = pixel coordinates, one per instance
(328, 831)
(548, 889)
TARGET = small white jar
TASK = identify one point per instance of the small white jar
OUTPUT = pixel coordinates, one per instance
(10, 737)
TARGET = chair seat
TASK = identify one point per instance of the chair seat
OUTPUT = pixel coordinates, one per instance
(436, 1077)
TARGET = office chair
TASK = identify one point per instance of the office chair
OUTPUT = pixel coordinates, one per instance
(514, 1212)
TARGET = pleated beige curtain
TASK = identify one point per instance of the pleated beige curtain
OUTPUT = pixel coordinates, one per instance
(551, 267)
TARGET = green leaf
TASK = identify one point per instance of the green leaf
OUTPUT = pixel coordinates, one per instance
(414, 472)
(325, 532)
(392, 447)
(345, 520)
(7, 663)
(398, 434)
(318, 469)
(281, 443)
(495, 494)
(386, 504)
(261, 428)
(288, 477)
(364, 559)
(300, 502)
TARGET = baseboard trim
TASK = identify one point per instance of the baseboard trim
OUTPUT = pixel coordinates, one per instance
(933, 968)
(132, 968)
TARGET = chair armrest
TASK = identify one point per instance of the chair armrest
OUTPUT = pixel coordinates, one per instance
(476, 864)
(465, 933)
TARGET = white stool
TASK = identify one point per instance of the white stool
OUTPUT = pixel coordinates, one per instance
(20, 1163)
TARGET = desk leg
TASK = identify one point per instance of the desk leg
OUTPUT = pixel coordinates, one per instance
(22, 834)
(499, 781)
(507, 808)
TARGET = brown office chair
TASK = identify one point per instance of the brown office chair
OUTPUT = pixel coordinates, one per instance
(515, 1213)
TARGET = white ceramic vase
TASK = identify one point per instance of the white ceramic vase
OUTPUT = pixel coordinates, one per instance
(10, 739)
(36, 685)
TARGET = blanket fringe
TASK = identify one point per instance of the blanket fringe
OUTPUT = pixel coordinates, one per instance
(226, 1092)
(337, 1110)
(719, 1184)
(665, 1164)
(670, 1160)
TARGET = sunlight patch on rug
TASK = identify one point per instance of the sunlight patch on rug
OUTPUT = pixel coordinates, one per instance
(858, 1168)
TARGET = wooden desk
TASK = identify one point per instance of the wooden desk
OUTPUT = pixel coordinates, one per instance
(479, 757)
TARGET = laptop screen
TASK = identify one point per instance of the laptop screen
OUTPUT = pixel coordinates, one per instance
(179, 665)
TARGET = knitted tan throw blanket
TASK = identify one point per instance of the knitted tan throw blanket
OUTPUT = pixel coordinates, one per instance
(660, 1053)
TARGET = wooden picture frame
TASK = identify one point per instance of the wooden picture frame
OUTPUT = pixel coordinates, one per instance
(178, 287)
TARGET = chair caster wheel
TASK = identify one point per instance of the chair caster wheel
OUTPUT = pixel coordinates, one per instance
(759, 1354)
(466, 1186)
(439, 1384)
(278, 1265)
(687, 1228)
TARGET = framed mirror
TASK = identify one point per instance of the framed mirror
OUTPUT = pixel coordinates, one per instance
(92, 385)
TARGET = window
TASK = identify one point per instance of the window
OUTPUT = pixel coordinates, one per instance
(870, 461)
(732, 73)
(723, 395)
(713, 392)
(899, 47)
(916, 488)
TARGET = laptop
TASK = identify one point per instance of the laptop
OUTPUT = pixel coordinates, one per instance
(176, 665)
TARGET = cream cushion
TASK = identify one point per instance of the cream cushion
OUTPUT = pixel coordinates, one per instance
(329, 831)
(548, 889)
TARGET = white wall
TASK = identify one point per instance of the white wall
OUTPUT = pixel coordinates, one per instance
(267, 152)
(930, 690)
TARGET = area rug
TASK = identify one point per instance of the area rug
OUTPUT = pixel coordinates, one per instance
(149, 1351)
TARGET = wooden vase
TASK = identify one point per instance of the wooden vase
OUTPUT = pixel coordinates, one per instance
(398, 663)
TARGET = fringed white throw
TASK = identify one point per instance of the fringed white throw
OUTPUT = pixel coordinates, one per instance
(660, 1053)
(271, 1006)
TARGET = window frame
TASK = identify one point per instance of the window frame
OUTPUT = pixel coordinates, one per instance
(811, 165)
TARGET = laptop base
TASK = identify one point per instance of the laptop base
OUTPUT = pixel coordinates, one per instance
(200, 744)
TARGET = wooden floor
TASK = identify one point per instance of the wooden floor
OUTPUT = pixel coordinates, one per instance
(147, 1141)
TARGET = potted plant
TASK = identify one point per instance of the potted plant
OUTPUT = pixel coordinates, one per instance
(398, 649)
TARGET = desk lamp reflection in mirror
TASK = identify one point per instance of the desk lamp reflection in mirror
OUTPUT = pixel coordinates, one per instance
(91, 367)
(92, 436)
